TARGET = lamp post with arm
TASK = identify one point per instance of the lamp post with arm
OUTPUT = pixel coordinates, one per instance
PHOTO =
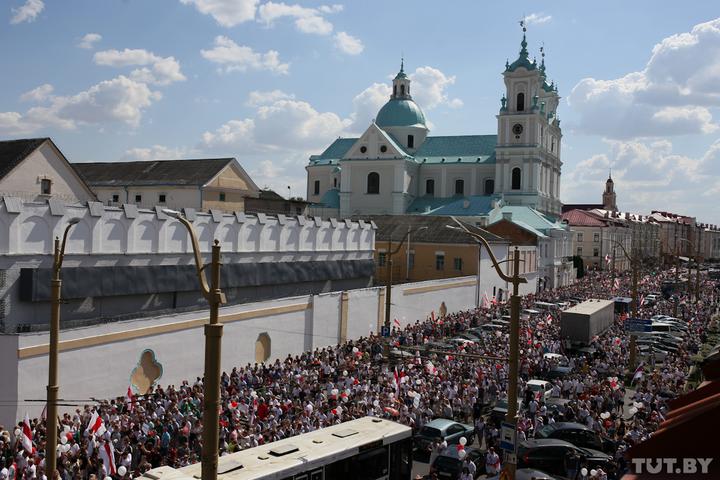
(513, 374)
(677, 270)
(52, 386)
(213, 344)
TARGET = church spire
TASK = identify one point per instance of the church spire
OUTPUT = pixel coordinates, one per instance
(523, 59)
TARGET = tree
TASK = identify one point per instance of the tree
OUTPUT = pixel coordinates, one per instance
(579, 265)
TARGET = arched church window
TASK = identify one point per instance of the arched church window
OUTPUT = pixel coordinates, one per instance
(489, 186)
(411, 141)
(402, 89)
(430, 186)
(395, 90)
(516, 178)
(459, 187)
(373, 183)
(520, 102)
(335, 182)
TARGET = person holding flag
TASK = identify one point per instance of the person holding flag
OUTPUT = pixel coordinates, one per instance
(639, 371)
(26, 438)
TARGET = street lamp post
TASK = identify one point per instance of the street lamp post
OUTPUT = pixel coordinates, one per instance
(677, 271)
(213, 345)
(52, 387)
(516, 280)
(634, 264)
(388, 284)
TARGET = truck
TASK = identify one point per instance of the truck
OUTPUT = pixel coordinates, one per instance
(579, 324)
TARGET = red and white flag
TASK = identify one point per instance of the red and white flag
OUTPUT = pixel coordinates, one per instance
(485, 301)
(397, 323)
(107, 453)
(616, 285)
(549, 319)
(638, 372)
(607, 258)
(432, 316)
(96, 426)
(26, 438)
(130, 399)
(642, 300)
(398, 376)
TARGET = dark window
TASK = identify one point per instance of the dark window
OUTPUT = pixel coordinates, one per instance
(520, 102)
(382, 256)
(596, 252)
(458, 263)
(516, 178)
(459, 187)
(430, 186)
(383, 148)
(373, 182)
(411, 141)
(579, 251)
(489, 186)
(394, 89)
(222, 196)
(316, 187)
(45, 186)
(596, 237)
(402, 89)
(363, 149)
(161, 198)
(116, 198)
(439, 262)
(334, 183)
(411, 260)
(138, 198)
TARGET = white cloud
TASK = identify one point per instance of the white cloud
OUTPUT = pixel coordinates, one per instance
(234, 57)
(89, 40)
(226, 13)
(256, 98)
(233, 134)
(161, 71)
(672, 95)
(430, 88)
(366, 105)
(28, 12)
(537, 19)
(38, 94)
(157, 152)
(348, 44)
(307, 20)
(314, 24)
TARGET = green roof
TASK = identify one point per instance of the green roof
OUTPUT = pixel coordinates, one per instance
(526, 217)
(400, 112)
(331, 198)
(474, 205)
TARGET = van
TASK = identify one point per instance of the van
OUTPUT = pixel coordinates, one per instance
(529, 311)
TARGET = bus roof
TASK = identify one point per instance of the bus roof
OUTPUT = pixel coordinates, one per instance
(286, 457)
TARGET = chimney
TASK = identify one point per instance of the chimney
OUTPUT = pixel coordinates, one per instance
(507, 216)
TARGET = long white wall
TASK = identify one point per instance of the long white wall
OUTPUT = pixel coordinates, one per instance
(98, 361)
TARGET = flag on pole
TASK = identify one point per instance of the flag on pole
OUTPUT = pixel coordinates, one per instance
(96, 426)
(26, 438)
(397, 323)
(485, 301)
(638, 372)
(130, 399)
(549, 319)
(616, 285)
(607, 258)
(642, 300)
(107, 453)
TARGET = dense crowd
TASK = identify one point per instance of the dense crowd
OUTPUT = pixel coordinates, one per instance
(267, 402)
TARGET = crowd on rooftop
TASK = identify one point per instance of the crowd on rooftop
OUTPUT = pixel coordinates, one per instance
(265, 402)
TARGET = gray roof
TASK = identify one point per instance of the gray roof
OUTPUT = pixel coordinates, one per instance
(396, 226)
(13, 152)
(153, 172)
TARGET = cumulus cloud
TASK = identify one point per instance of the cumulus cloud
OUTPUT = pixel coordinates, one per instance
(348, 44)
(537, 19)
(28, 12)
(256, 97)
(89, 40)
(430, 88)
(672, 95)
(39, 94)
(226, 13)
(307, 20)
(366, 105)
(157, 152)
(233, 57)
(155, 69)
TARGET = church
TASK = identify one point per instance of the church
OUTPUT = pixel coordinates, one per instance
(396, 167)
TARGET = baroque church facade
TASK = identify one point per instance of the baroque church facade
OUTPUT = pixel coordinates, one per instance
(396, 167)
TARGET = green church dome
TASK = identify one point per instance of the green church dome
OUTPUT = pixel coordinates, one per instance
(400, 112)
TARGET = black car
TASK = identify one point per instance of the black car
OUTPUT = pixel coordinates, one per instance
(449, 465)
(577, 434)
(551, 456)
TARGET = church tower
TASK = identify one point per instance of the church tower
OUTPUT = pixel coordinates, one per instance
(528, 141)
(609, 197)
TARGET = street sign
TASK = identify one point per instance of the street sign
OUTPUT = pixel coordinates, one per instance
(385, 331)
(638, 325)
(507, 436)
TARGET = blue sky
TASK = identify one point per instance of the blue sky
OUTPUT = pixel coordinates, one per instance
(272, 82)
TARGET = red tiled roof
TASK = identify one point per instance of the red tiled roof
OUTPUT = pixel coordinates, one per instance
(581, 218)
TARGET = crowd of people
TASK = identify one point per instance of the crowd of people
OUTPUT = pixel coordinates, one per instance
(265, 402)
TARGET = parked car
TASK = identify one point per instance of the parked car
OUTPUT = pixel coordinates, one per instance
(444, 429)
(529, 474)
(541, 388)
(577, 434)
(449, 465)
(549, 455)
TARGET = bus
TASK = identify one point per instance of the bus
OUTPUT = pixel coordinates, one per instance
(367, 448)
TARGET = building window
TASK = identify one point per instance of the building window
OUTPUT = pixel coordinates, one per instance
(552, 144)
(382, 256)
(138, 198)
(45, 186)
(363, 149)
(411, 260)
(489, 186)
(439, 262)
(402, 89)
(579, 251)
(520, 102)
(459, 187)
(383, 148)
(222, 196)
(579, 237)
(116, 198)
(373, 183)
(395, 90)
(316, 187)
(596, 237)
(516, 178)
(411, 141)
(430, 186)
(457, 263)
(334, 183)
(596, 252)
(161, 198)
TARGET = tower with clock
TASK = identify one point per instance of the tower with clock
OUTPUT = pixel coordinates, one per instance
(528, 145)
